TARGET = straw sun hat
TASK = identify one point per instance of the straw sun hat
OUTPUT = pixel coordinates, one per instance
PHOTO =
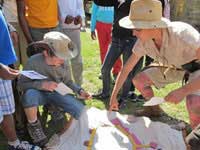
(145, 14)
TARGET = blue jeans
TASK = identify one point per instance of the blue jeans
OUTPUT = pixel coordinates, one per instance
(116, 48)
(34, 98)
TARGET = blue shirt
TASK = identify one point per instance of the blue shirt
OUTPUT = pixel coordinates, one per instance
(102, 14)
(7, 52)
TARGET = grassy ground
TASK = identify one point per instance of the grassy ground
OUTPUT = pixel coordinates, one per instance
(91, 59)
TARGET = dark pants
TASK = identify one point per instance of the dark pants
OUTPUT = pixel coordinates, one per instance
(193, 139)
(116, 48)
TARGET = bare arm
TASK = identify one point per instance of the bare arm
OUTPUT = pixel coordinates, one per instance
(130, 64)
(22, 20)
(178, 95)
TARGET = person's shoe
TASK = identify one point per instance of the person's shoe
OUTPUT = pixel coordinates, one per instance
(101, 96)
(122, 103)
(36, 133)
(150, 111)
(24, 145)
(132, 97)
(140, 98)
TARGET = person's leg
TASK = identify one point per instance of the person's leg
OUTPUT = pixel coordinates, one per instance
(8, 128)
(104, 36)
(128, 46)
(193, 107)
(100, 27)
(7, 108)
(112, 55)
(76, 63)
(31, 100)
(68, 103)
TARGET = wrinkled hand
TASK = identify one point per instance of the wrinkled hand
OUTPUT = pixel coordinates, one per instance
(77, 20)
(175, 96)
(14, 37)
(69, 19)
(93, 35)
(85, 95)
(49, 85)
(8, 73)
(113, 104)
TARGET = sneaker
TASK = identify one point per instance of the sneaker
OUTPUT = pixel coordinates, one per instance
(122, 103)
(140, 98)
(101, 96)
(24, 145)
(132, 97)
(36, 133)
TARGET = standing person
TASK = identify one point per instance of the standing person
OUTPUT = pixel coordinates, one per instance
(71, 15)
(122, 43)
(101, 20)
(9, 10)
(7, 106)
(37, 18)
(175, 46)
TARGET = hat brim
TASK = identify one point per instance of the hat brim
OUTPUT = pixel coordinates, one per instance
(127, 23)
(69, 54)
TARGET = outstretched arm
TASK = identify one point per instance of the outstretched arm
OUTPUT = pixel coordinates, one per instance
(130, 64)
(22, 20)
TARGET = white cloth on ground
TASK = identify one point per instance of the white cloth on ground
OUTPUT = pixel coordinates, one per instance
(108, 137)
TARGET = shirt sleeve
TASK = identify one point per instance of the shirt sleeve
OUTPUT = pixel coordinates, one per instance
(93, 17)
(139, 49)
(68, 79)
(191, 36)
(25, 83)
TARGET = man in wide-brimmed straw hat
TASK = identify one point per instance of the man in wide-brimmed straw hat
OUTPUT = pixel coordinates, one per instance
(175, 47)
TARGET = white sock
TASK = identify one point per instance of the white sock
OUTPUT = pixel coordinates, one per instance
(14, 143)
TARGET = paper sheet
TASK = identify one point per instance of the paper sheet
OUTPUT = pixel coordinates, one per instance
(63, 89)
(154, 101)
(32, 75)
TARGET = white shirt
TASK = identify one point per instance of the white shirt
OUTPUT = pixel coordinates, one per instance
(72, 8)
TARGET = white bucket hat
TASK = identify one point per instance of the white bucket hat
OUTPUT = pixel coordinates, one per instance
(145, 14)
(59, 44)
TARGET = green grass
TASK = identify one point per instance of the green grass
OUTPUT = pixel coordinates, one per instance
(91, 59)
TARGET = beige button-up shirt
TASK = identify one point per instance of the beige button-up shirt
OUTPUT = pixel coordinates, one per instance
(180, 42)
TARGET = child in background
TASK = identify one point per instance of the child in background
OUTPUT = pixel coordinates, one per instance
(102, 20)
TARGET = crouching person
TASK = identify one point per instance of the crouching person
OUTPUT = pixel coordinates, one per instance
(52, 63)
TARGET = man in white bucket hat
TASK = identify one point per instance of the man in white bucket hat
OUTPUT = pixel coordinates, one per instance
(57, 47)
(175, 47)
